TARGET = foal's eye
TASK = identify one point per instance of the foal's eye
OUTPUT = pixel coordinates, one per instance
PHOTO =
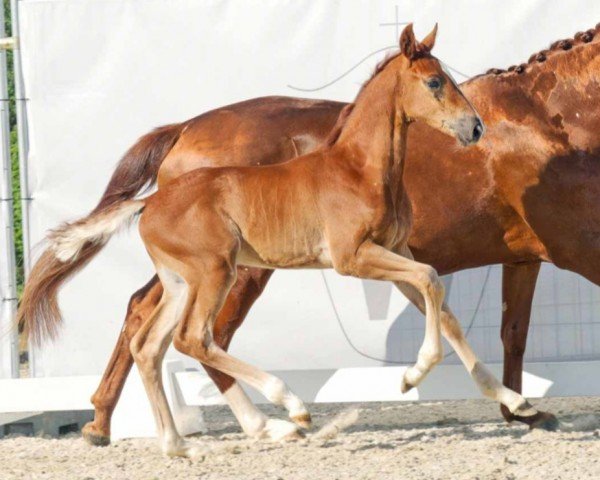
(434, 83)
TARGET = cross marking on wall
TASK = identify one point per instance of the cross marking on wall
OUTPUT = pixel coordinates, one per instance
(397, 24)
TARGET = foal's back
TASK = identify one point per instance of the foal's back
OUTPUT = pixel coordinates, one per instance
(269, 215)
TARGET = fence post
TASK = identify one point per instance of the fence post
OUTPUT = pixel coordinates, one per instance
(9, 338)
(23, 143)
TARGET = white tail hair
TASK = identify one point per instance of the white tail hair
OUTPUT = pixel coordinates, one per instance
(67, 241)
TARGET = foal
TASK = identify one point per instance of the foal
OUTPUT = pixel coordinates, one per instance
(342, 206)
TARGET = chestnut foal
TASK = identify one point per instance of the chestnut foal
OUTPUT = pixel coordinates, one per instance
(288, 216)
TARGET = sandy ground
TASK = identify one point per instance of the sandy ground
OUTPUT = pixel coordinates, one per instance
(441, 440)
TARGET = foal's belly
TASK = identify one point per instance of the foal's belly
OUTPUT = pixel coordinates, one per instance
(285, 255)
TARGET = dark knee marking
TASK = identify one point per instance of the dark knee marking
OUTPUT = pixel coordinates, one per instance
(202, 349)
(141, 304)
(223, 381)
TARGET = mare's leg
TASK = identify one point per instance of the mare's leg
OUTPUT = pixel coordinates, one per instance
(375, 262)
(485, 380)
(518, 286)
(141, 305)
(194, 337)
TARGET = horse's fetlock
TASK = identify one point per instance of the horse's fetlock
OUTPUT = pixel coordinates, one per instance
(431, 357)
(276, 390)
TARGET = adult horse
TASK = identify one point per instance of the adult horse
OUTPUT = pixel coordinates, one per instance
(528, 196)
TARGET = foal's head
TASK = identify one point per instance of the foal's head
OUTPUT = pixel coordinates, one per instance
(428, 93)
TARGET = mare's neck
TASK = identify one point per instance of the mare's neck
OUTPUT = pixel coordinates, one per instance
(557, 97)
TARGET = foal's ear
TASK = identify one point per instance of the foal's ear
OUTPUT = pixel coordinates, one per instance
(429, 41)
(408, 42)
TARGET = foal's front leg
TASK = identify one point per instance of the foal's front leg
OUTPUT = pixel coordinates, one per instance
(488, 384)
(375, 262)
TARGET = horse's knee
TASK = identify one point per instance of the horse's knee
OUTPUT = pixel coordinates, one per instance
(183, 345)
(512, 348)
(141, 304)
(200, 348)
(429, 282)
(450, 326)
(145, 354)
(134, 320)
(348, 267)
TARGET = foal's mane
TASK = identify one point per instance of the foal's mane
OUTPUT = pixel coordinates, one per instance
(555, 48)
(342, 119)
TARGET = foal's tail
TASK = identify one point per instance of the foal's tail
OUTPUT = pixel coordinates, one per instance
(73, 245)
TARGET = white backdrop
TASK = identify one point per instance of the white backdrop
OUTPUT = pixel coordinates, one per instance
(8, 288)
(98, 74)
(7, 305)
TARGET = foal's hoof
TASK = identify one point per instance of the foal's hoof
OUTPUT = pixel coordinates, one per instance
(303, 420)
(93, 437)
(183, 449)
(406, 387)
(281, 431)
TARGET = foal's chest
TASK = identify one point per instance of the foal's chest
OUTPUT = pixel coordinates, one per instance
(392, 223)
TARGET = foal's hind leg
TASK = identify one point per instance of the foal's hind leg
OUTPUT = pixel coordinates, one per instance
(248, 287)
(148, 347)
(194, 337)
(250, 284)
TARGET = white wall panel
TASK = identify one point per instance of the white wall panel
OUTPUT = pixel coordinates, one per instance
(98, 74)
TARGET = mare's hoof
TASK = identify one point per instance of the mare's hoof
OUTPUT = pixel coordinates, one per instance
(542, 420)
(91, 436)
(545, 421)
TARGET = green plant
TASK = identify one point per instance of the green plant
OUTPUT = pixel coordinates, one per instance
(14, 155)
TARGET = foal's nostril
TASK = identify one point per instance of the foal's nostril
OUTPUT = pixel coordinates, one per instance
(477, 131)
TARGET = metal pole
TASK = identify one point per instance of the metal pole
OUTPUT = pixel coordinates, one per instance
(9, 273)
(23, 142)
(22, 132)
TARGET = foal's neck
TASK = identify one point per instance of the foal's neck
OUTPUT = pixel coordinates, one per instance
(375, 133)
